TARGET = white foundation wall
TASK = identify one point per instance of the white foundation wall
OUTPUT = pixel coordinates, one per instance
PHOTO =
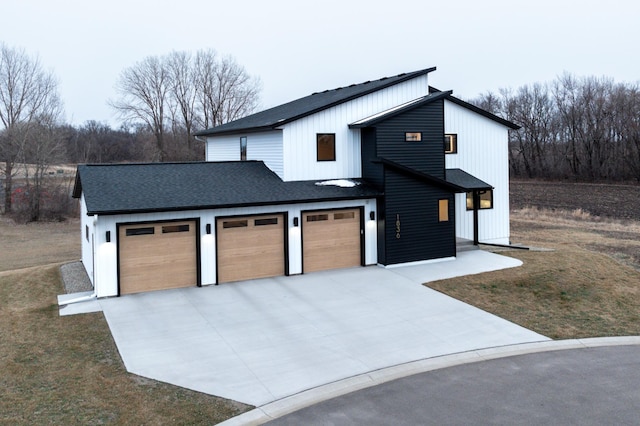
(482, 152)
(106, 271)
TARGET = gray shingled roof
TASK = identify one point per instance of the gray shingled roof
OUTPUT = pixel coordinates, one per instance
(465, 180)
(151, 187)
(294, 110)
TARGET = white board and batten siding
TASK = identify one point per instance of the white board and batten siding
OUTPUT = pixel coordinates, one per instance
(264, 146)
(482, 152)
(87, 233)
(106, 270)
(300, 157)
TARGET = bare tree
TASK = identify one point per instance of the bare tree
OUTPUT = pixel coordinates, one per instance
(183, 95)
(44, 148)
(174, 94)
(27, 94)
(226, 92)
(144, 96)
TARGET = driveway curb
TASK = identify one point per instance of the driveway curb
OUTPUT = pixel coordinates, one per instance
(284, 406)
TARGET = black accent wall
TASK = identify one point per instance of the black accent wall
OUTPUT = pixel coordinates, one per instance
(413, 231)
(427, 155)
(409, 229)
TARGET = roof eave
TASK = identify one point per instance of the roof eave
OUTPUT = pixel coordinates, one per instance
(427, 100)
(224, 206)
(408, 76)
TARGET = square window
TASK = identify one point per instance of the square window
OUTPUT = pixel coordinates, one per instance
(326, 146)
(486, 200)
(443, 210)
(413, 137)
(243, 148)
(450, 144)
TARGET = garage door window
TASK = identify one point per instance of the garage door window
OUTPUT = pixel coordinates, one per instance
(346, 215)
(317, 217)
(175, 228)
(132, 232)
(235, 224)
(264, 222)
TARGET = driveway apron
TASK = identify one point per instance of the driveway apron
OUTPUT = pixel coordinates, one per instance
(262, 340)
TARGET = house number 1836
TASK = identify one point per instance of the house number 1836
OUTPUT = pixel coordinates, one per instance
(398, 226)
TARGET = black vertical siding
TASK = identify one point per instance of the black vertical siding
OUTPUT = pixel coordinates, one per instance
(427, 155)
(412, 230)
(371, 170)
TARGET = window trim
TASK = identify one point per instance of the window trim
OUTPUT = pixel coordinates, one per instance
(243, 148)
(470, 205)
(332, 141)
(454, 138)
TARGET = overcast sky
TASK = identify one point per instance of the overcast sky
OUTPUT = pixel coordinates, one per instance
(297, 47)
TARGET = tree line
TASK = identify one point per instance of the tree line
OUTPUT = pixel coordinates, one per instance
(162, 101)
(580, 128)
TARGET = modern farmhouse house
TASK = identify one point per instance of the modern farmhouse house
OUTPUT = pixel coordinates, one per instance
(385, 172)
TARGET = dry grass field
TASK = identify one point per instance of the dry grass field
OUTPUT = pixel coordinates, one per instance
(588, 285)
(66, 370)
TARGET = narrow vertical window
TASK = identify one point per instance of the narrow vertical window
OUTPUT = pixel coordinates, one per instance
(450, 144)
(326, 146)
(243, 148)
(443, 210)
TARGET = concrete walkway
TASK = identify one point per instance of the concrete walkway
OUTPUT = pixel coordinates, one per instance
(265, 340)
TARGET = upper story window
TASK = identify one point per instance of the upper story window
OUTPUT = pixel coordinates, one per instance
(243, 148)
(326, 146)
(486, 200)
(413, 137)
(450, 144)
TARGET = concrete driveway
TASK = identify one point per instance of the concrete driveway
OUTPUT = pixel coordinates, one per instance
(263, 340)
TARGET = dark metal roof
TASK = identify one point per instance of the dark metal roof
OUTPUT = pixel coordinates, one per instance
(374, 119)
(465, 180)
(299, 108)
(155, 187)
(476, 109)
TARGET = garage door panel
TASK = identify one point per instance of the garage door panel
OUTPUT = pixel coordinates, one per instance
(160, 260)
(250, 247)
(331, 239)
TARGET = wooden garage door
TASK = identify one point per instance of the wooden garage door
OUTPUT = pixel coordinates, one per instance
(157, 256)
(250, 247)
(331, 239)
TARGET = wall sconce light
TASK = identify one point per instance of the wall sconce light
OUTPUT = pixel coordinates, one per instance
(108, 236)
(295, 221)
(372, 215)
(208, 227)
